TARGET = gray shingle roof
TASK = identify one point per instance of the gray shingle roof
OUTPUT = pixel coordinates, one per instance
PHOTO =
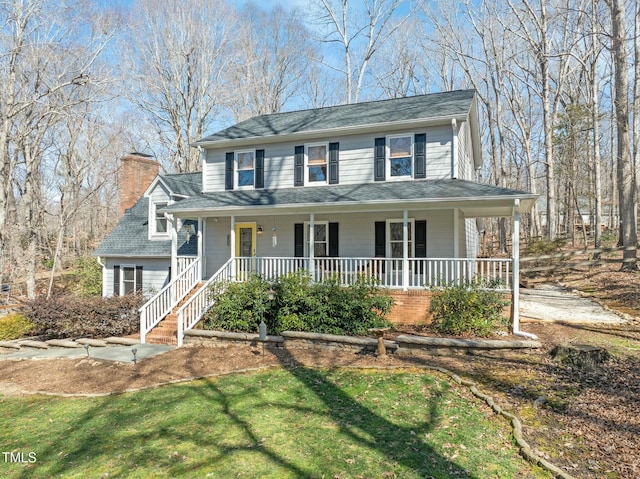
(185, 184)
(434, 105)
(391, 192)
(129, 237)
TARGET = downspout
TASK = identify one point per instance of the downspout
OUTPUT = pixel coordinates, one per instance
(104, 267)
(515, 270)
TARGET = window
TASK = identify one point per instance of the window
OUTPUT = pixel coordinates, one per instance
(128, 280)
(245, 168)
(161, 220)
(400, 156)
(317, 163)
(395, 243)
(320, 238)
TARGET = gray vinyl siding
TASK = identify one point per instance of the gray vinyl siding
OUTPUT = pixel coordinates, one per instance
(356, 234)
(155, 273)
(439, 155)
(465, 166)
(159, 194)
(472, 239)
(355, 159)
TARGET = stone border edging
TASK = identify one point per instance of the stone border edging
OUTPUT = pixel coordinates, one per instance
(516, 425)
(403, 344)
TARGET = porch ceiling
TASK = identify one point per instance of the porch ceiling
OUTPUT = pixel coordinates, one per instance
(474, 199)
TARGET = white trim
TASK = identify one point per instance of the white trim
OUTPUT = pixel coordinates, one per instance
(387, 158)
(306, 164)
(237, 170)
(455, 161)
(456, 232)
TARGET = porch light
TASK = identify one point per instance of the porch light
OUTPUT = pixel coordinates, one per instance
(260, 230)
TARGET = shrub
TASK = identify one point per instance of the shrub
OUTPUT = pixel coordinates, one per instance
(14, 326)
(238, 307)
(88, 277)
(73, 317)
(468, 309)
(299, 305)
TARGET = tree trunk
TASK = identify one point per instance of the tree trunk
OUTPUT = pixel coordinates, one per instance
(625, 173)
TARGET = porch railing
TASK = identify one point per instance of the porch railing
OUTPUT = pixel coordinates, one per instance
(161, 304)
(423, 272)
(494, 273)
(194, 308)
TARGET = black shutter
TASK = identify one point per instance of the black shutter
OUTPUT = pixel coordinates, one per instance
(420, 156)
(379, 158)
(259, 179)
(298, 240)
(334, 148)
(138, 279)
(228, 171)
(298, 172)
(333, 240)
(116, 280)
(380, 239)
(421, 239)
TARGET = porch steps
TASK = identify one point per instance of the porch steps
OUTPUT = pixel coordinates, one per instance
(166, 332)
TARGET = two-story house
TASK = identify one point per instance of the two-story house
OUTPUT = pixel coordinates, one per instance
(385, 188)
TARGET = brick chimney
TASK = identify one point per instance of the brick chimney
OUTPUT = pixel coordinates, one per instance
(136, 174)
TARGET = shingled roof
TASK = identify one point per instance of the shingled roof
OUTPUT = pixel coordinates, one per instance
(421, 107)
(130, 237)
(393, 192)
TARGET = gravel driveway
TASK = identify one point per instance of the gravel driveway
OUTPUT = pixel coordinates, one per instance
(554, 303)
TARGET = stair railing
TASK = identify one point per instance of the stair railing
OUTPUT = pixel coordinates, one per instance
(161, 304)
(194, 308)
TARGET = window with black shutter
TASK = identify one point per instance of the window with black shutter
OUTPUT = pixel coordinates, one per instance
(334, 152)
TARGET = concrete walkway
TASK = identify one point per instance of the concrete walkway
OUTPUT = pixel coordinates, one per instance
(122, 354)
(554, 303)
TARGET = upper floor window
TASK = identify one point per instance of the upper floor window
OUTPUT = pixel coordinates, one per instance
(245, 161)
(161, 220)
(400, 156)
(158, 225)
(317, 163)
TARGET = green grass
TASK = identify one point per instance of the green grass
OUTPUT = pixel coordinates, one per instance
(303, 423)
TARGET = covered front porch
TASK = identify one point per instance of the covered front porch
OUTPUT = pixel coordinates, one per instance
(415, 243)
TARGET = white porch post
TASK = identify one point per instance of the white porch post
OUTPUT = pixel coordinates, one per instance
(515, 269)
(174, 254)
(174, 245)
(201, 225)
(312, 238)
(405, 250)
(456, 245)
(232, 240)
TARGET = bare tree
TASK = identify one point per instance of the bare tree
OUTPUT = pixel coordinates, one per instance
(178, 53)
(271, 63)
(49, 54)
(625, 173)
(359, 29)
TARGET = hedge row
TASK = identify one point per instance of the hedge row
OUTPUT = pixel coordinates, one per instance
(89, 317)
(299, 305)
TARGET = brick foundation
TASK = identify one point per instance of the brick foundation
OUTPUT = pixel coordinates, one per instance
(412, 307)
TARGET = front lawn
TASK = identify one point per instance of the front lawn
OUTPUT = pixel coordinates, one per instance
(274, 424)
